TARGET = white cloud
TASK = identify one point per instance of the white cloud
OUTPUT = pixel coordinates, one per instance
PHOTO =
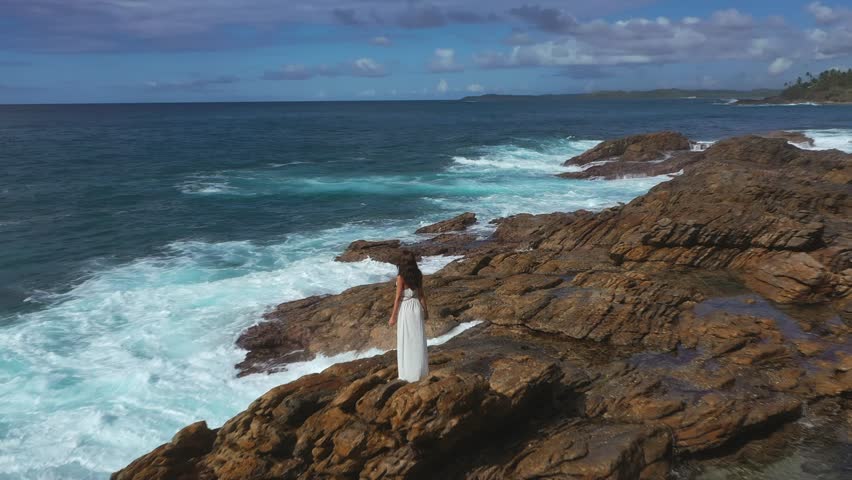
(731, 18)
(759, 46)
(821, 12)
(362, 67)
(780, 65)
(442, 86)
(194, 84)
(834, 36)
(367, 67)
(381, 41)
(708, 81)
(474, 88)
(518, 38)
(292, 72)
(367, 93)
(723, 35)
(444, 60)
(558, 53)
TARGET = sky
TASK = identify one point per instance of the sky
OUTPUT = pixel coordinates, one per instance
(92, 51)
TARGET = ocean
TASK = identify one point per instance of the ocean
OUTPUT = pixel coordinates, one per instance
(139, 240)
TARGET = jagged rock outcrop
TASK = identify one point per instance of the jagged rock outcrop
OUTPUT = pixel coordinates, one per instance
(779, 223)
(670, 164)
(502, 402)
(635, 148)
(177, 459)
(774, 214)
(793, 137)
(455, 224)
(388, 250)
(701, 315)
(381, 251)
(357, 420)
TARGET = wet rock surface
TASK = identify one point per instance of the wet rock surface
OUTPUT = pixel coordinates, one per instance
(794, 137)
(679, 329)
(454, 224)
(635, 148)
(668, 164)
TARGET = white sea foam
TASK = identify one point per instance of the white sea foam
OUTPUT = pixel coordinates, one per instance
(516, 158)
(442, 339)
(205, 187)
(550, 194)
(513, 180)
(114, 367)
(701, 145)
(279, 165)
(839, 138)
(797, 104)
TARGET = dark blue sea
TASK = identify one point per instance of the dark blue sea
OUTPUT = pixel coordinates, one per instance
(139, 240)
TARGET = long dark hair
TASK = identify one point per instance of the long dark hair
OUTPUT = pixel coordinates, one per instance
(409, 271)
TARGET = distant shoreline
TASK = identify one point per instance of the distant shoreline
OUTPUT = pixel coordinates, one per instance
(831, 87)
(784, 101)
(660, 94)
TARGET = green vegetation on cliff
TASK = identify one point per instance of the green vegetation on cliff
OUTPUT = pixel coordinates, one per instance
(829, 86)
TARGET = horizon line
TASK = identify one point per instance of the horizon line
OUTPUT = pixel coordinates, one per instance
(182, 102)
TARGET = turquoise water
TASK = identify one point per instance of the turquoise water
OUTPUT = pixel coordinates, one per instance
(139, 240)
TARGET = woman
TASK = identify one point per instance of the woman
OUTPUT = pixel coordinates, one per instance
(409, 308)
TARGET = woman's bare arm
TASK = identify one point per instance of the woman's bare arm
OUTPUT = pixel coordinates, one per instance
(422, 297)
(396, 301)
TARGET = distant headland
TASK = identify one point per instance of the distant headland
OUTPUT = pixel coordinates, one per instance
(830, 86)
(667, 93)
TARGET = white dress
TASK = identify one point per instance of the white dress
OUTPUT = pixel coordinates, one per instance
(411, 358)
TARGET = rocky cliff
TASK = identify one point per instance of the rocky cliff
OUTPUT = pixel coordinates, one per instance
(700, 317)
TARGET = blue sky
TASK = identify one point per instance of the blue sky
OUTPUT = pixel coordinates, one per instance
(58, 51)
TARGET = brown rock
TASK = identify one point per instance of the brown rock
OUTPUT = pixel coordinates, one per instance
(775, 223)
(844, 361)
(380, 251)
(178, 459)
(668, 164)
(589, 450)
(527, 231)
(355, 418)
(809, 347)
(793, 137)
(356, 319)
(457, 223)
(388, 250)
(635, 148)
